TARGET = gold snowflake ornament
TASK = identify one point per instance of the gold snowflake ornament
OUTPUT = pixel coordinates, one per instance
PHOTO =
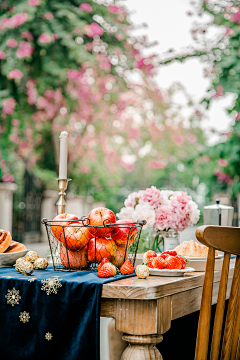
(48, 336)
(32, 279)
(24, 316)
(51, 285)
(13, 297)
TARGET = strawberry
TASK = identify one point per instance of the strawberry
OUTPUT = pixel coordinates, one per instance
(184, 262)
(150, 264)
(104, 261)
(148, 255)
(127, 268)
(170, 252)
(164, 256)
(158, 262)
(107, 270)
(172, 262)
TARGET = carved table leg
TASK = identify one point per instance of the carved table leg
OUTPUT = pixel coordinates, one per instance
(142, 347)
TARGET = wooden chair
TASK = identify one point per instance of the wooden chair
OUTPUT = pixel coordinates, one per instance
(225, 239)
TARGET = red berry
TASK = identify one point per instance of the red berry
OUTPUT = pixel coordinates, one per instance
(184, 262)
(164, 256)
(158, 262)
(104, 261)
(150, 263)
(107, 270)
(148, 255)
(127, 268)
(172, 262)
(170, 252)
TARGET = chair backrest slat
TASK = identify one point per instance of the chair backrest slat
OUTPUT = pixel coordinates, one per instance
(236, 331)
(218, 321)
(226, 239)
(205, 311)
(232, 305)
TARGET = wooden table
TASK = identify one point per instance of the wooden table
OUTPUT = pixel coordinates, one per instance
(144, 308)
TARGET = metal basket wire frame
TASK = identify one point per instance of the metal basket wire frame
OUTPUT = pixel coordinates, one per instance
(76, 245)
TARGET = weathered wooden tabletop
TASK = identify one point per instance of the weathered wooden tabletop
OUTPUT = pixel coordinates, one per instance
(133, 302)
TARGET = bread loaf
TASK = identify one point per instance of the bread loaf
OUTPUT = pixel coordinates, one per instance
(192, 249)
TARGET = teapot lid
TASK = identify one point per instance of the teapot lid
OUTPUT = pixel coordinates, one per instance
(218, 206)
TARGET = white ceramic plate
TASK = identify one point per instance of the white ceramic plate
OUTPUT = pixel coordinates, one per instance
(7, 260)
(167, 272)
(201, 257)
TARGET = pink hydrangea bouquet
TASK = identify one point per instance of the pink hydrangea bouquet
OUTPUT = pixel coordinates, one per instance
(164, 210)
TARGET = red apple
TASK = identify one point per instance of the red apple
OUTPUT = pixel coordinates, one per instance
(74, 259)
(58, 230)
(76, 237)
(124, 233)
(99, 217)
(118, 260)
(104, 248)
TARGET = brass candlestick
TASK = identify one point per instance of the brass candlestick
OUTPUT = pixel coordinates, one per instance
(61, 203)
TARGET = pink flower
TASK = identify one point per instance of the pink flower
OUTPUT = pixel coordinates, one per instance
(27, 35)
(32, 95)
(152, 196)
(2, 55)
(73, 75)
(179, 223)
(45, 38)
(30, 84)
(93, 29)
(15, 74)
(9, 106)
(157, 164)
(228, 32)
(219, 91)
(113, 9)
(179, 201)
(12, 43)
(48, 16)
(8, 178)
(238, 117)
(34, 2)
(86, 7)
(144, 64)
(178, 140)
(24, 50)
(131, 200)
(15, 122)
(222, 177)
(191, 138)
(42, 103)
(222, 162)
(89, 46)
(235, 17)
(14, 21)
(145, 212)
(163, 219)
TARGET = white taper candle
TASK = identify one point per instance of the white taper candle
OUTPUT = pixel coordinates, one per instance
(63, 155)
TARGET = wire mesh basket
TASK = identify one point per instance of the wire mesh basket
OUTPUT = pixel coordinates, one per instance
(76, 245)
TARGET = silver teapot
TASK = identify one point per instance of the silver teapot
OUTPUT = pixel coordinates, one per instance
(218, 214)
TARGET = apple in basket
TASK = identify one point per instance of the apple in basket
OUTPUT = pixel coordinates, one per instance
(57, 230)
(98, 217)
(76, 237)
(74, 259)
(124, 234)
(118, 259)
(105, 247)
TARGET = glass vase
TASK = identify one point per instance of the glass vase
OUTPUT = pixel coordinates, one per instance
(160, 240)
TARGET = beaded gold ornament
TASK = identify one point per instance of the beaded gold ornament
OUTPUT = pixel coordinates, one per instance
(40, 264)
(142, 271)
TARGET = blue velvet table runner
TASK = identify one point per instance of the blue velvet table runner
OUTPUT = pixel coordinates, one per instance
(50, 314)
